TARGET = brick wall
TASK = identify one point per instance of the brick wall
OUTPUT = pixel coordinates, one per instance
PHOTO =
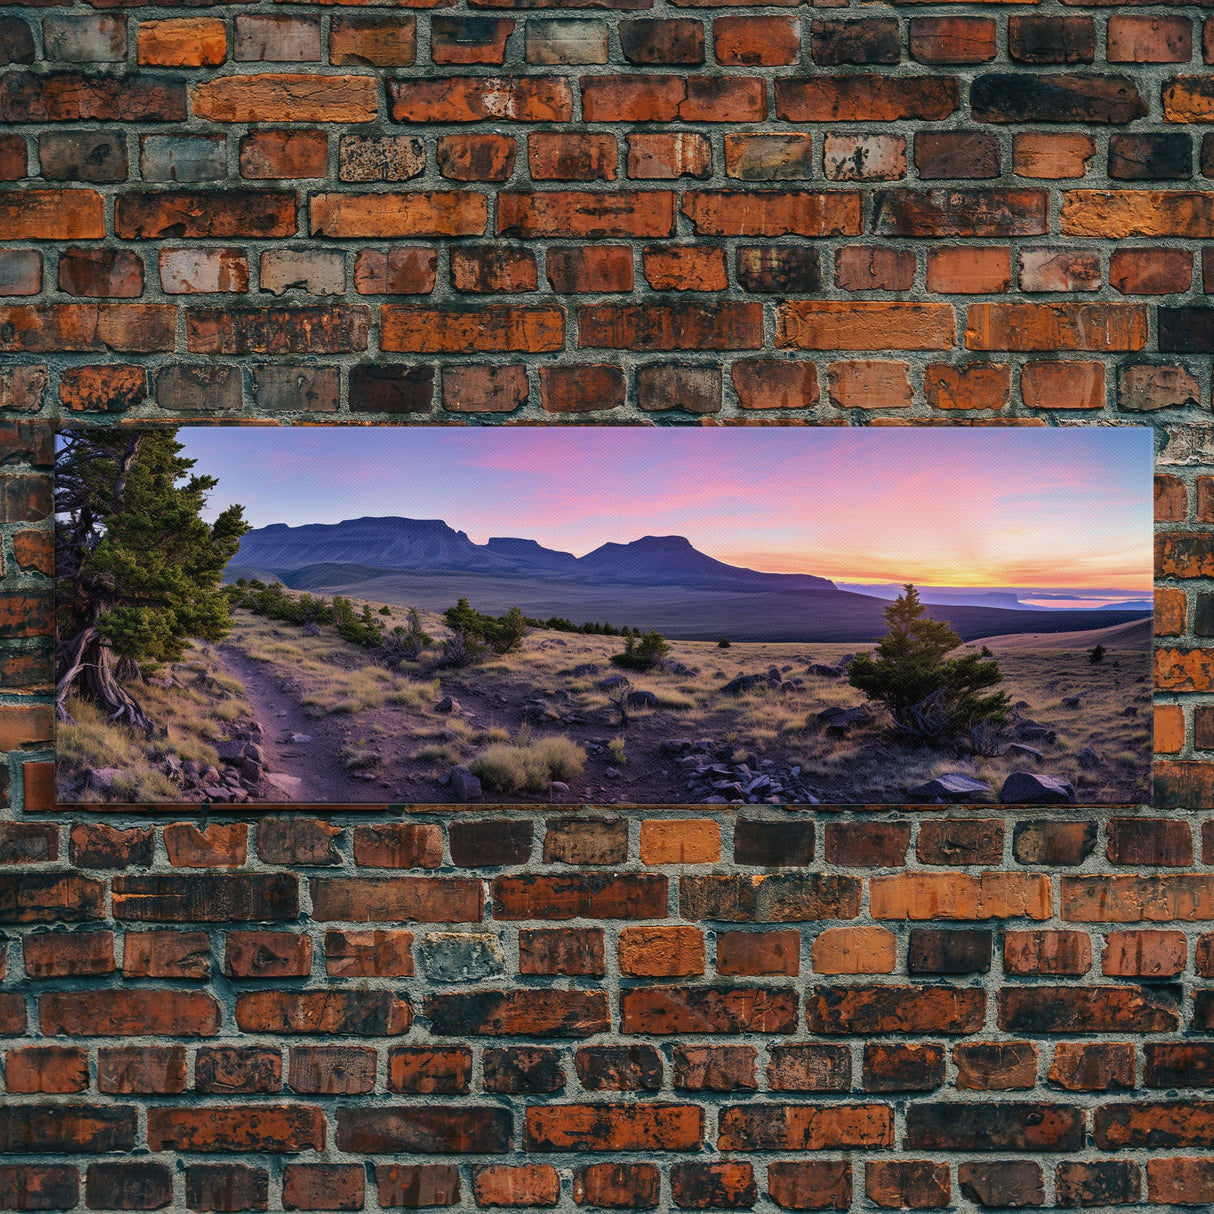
(651, 212)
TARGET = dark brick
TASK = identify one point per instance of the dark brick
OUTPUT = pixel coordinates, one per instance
(490, 843)
(391, 388)
(522, 1070)
(1053, 843)
(760, 842)
(1013, 1183)
(1051, 39)
(619, 1068)
(779, 269)
(130, 1185)
(1150, 157)
(1002, 1126)
(872, 41)
(959, 951)
(903, 1068)
(226, 1187)
(1186, 330)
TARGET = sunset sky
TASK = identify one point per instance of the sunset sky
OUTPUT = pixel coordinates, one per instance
(1048, 507)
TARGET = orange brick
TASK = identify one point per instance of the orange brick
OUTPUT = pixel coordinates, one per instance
(1144, 954)
(282, 97)
(26, 725)
(1051, 157)
(969, 270)
(755, 953)
(680, 841)
(855, 950)
(686, 268)
(1063, 385)
(661, 952)
(1169, 728)
(1171, 610)
(869, 384)
(183, 42)
(1171, 499)
(865, 325)
(974, 386)
(988, 895)
(775, 385)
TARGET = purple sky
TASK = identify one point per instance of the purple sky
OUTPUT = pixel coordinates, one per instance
(1056, 506)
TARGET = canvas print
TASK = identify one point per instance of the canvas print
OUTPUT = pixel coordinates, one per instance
(636, 615)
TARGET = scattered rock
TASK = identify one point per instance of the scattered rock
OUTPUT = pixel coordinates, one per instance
(299, 739)
(1088, 758)
(611, 682)
(447, 704)
(744, 683)
(952, 786)
(559, 790)
(675, 746)
(1018, 750)
(1129, 711)
(1029, 788)
(838, 720)
(464, 785)
(1072, 702)
(612, 773)
(102, 778)
(642, 699)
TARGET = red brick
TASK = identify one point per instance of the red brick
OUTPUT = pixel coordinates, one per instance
(661, 952)
(221, 844)
(335, 329)
(864, 97)
(105, 327)
(756, 953)
(226, 1187)
(566, 213)
(1136, 954)
(262, 954)
(48, 897)
(283, 154)
(469, 40)
(894, 1009)
(246, 1127)
(204, 213)
(902, 1184)
(1051, 156)
(903, 1068)
(775, 385)
(1063, 385)
(685, 268)
(332, 1070)
(809, 1068)
(493, 268)
(379, 41)
(400, 270)
(692, 1009)
(677, 326)
(972, 212)
(804, 1127)
(366, 954)
(1179, 1181)
(1151, 271)
(869, 384)
(318, 1186)
(1102, 328)
(60, 954)
(773, 213)
(1093, 1066)
(575, 951)
(713, 1186)
(756, 41)
(46, 1068)
(414, 1185)
(810, 1185)
(435, 213)
(122, 1013)
(429, 1128)
(229, 1069)
(499, 327)
(590, 270)
(613, 1127)
(970, 386)
(500, 1185)
(619, 1186)
(692, 389)
(96, 845)
(995, 1066)
(476, 157)
(969, 270)
(484, 389)
(956, 154)
(559, 156)
(1169, 727)
(668, 155)
(480, 98)
(182, 42)
(154, 1070)
(864, 325)
(1149, 39)
(76, 96)
(107, 388)
(429, 1071)
(952, 39)
(285, 97)
(166, 954)
(515, 1013)
(874, 268)
(372, 1013)
(399, 845)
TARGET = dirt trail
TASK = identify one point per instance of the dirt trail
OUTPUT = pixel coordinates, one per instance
(318, 762)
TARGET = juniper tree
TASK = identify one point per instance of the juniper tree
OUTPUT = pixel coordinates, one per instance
(931, 697)
(137, 569)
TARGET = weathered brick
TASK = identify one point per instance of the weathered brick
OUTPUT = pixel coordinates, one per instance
(1063, 385)
(1056, 1009)
(899, 1184)
(865, 97)
(971, 386)
(267, 955)
(107, 388)
(960, 212)
(376, 41)
(894, 1009)
(75, 97)
(810, 1185)
(772, 213)
(226, 1187)
(182, 42)
(416, 1185)
(387, 1129)
(617, 1185)
(890, 1067)
(500, 1185)
(676, 326)
(128, 1012)
(855, 950)
(166, 954)
(1093, 1066)
(1001, 1126)
(569, 41)
(1101, 1182)
(661, 952)
(476, 157)
(399, 270)
(939, 40)
(1149, 39)
(804, 1127)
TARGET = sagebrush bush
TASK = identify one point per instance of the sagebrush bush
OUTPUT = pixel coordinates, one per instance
(530, 767)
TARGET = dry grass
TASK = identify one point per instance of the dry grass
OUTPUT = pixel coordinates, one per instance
(192, 714)
(531, 766)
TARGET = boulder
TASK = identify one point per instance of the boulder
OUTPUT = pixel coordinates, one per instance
(1088, 758)
(464, 785)
(1029, 788)
(1018, 750)
(744, 683)
(611, 682)
(675, 746)
(838, 720)
(279, 784)
(642, 699)
(952, 786)
(447, 704)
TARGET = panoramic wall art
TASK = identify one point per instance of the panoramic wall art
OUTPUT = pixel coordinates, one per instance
(626, 615)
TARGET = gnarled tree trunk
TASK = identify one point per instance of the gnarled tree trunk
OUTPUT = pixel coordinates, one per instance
(91, 670)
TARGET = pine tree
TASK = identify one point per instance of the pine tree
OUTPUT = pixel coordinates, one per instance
(932, 698)
(137, 570)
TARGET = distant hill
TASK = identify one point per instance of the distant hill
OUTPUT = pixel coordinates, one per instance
(431, 545)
